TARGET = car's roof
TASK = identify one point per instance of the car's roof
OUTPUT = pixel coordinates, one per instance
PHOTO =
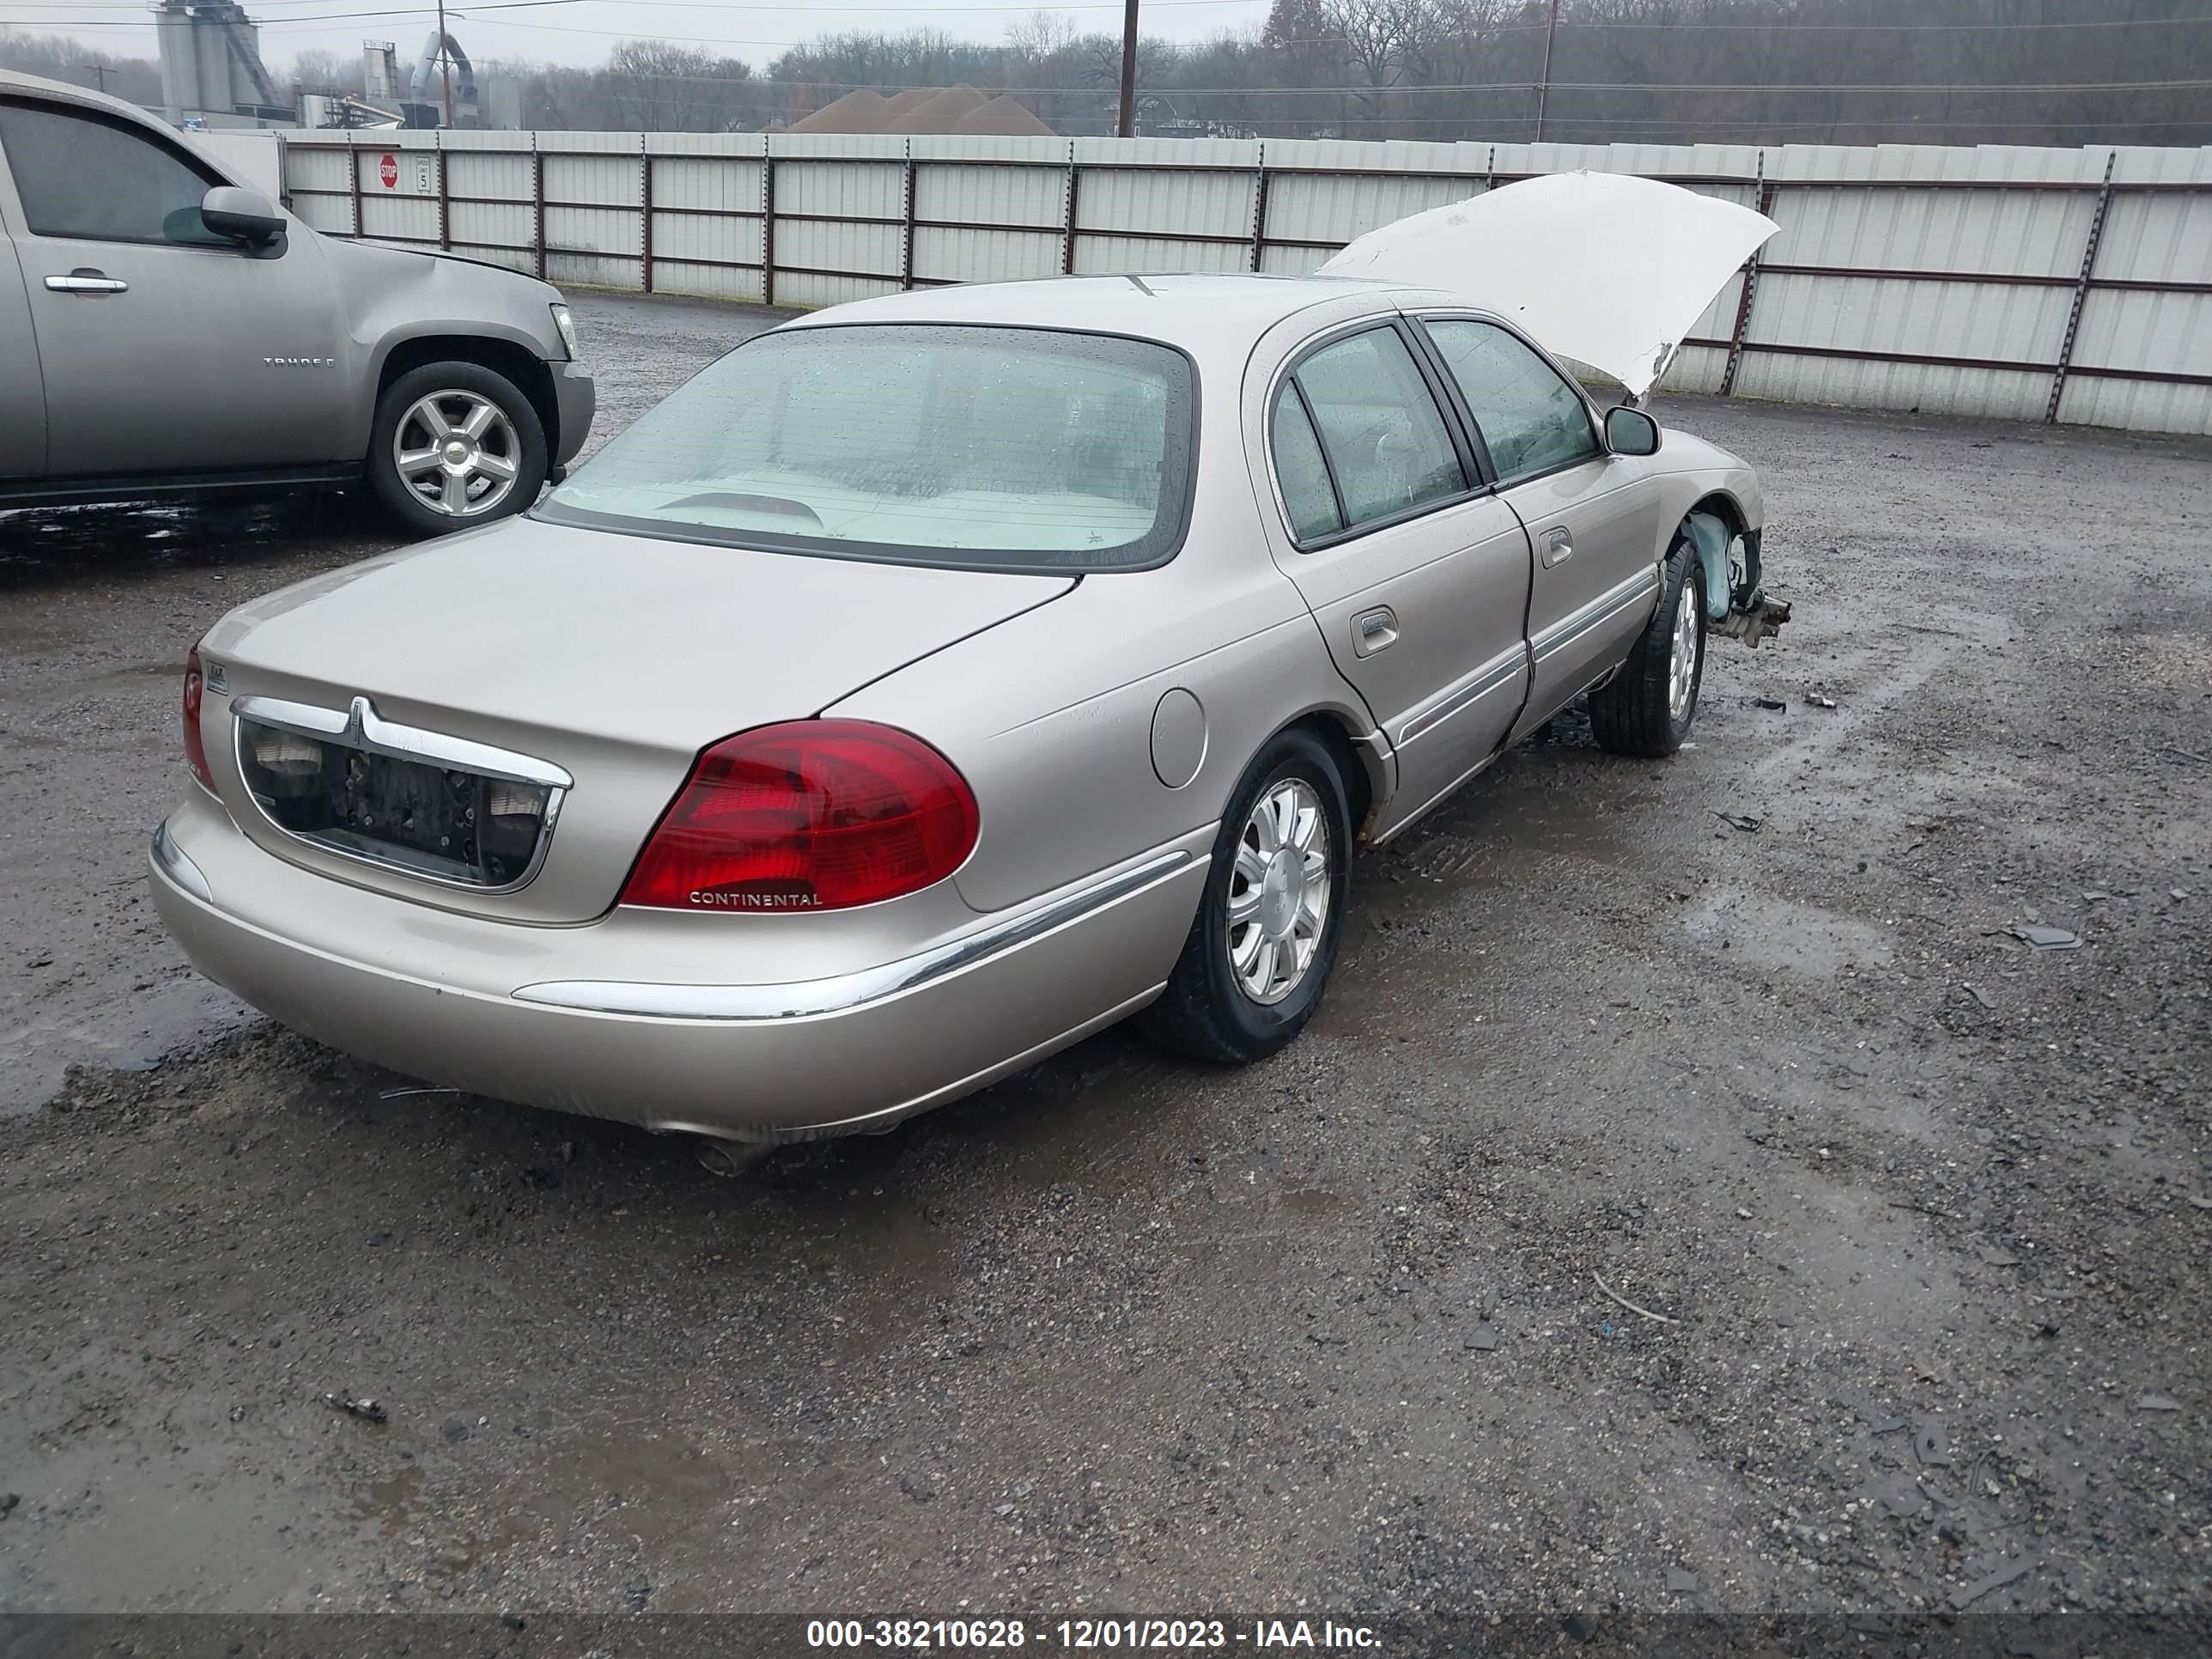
(16, 80)
(1202, 314)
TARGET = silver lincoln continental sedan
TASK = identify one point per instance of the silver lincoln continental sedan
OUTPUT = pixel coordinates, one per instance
(934, 681)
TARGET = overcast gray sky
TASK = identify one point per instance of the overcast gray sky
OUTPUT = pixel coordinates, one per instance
(582, 31)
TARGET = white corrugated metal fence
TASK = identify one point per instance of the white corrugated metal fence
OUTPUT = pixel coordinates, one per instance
(2065, 284)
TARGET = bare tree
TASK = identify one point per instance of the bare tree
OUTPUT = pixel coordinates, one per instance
(1381, 38)
(662, 85)
(317, 70)
(1042, 34)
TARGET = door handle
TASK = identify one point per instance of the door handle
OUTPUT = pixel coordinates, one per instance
(85, 280)
(1374, 630)
(1559, 546)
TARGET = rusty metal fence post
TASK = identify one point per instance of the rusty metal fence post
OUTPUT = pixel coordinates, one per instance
(445, 196)
(2080, 292)
(645, 221)
(353, 181)
(768, 227)
(538, 203)
(1067, 242)
(1260, 210)
(1741, 332)
(905, 249)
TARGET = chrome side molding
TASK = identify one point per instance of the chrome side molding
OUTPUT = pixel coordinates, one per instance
(1607, 605)
(835, 994)
(1500, 670)
(169, 858)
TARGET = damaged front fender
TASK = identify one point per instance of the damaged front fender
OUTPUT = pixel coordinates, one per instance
(1736, 607)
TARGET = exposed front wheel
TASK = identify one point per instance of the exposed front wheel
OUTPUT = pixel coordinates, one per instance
(455, 444)
(1260, 951)
(1647, 708)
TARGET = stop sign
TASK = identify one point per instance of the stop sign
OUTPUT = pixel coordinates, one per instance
(387, 170)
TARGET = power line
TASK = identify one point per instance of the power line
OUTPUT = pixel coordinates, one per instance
(145, 18)
(1569, 25)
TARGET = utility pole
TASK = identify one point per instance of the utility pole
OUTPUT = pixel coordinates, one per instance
(99, 73)
(1128, 126)
(446, 61)
(1543, 85)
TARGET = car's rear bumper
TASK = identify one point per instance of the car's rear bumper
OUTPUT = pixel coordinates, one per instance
(468, 1002)
(577, 400)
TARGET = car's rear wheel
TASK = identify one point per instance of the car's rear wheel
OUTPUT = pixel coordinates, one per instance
(1648, 707)
(455, 444)
(1259, 955)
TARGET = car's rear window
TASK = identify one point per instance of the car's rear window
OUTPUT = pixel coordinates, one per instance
(984, 449)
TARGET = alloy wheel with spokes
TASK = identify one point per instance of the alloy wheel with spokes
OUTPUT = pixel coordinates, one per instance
(1279, 889)
(1682, 657)
(456, 445)
(1270, 917)
(456, 452)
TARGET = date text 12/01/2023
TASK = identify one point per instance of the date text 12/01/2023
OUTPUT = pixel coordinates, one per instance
(1090, 1634)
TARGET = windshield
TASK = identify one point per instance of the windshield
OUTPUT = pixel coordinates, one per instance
(986, 448)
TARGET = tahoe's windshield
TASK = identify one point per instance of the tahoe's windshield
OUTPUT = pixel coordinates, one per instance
(987, 448)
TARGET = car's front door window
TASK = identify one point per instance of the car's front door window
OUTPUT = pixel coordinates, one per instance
(1532, 421)
(1388, 451)
(95, 180)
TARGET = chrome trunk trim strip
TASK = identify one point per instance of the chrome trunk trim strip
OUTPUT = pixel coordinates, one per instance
(362, 727)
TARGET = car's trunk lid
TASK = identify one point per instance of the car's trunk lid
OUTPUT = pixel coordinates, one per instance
(612, 659)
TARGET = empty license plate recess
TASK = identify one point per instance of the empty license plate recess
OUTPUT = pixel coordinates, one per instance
(447, 823)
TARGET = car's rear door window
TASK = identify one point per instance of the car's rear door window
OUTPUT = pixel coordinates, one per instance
(1532, 421)
(1308, 495)
(94, 179)
(1388, 452)
(983, 448)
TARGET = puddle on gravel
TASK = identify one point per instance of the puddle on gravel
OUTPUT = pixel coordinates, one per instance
(1536, 805)
(390, 1502)
(43, 546)
(1777, 934)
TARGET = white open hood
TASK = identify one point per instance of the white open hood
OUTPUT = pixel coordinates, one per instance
(1609, 270)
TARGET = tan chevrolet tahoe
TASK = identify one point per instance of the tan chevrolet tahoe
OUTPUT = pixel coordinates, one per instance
(164, 330)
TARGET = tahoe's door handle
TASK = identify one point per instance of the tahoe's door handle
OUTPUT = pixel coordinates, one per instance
(1559, 546)
(85, 280)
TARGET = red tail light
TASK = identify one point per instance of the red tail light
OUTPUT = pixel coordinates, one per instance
(195, 750)
(814, 815)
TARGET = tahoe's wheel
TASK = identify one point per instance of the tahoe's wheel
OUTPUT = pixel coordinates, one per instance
(1647, 708)
(455, 444)
(1260, 951)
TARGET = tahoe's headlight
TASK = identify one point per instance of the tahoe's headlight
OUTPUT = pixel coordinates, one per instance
(567, 324)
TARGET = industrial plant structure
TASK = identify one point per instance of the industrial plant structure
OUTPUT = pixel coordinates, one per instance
(211, 69)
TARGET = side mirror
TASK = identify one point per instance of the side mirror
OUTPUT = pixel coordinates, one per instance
(1631, 432)
(241, 216)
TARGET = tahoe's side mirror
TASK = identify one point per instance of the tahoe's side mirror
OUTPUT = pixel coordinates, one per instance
(242, 216)
(1631, 432)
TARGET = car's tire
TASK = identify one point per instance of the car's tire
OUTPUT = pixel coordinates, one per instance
(1647, 708)
(488, 459)
(1213, 1007)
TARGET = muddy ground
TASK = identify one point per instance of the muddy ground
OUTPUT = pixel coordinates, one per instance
(1922, 1213)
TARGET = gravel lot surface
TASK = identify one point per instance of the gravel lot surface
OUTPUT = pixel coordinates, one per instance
(1915, 1217)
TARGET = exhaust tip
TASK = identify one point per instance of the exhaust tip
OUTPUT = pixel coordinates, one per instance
(731, 1160)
